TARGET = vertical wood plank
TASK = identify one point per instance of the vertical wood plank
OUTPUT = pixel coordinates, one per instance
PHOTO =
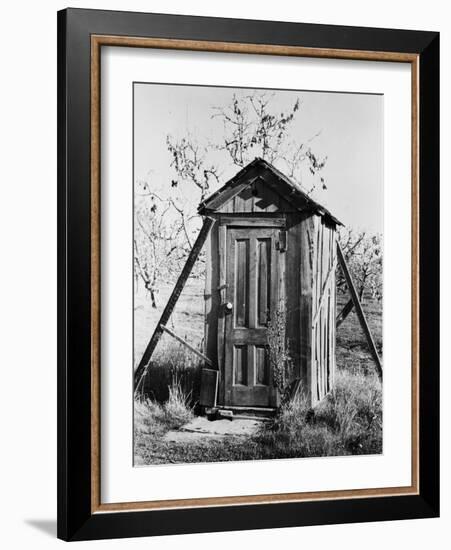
(323, 349)
(329, 341)
(334, 314)
(305, 293)
(222, 278)
(280, 262)
(319, 280)
(326, 264)
(319, 262)
(207, 293)
(326, 343)
(292, 281)
(331, 319)
(313, 370)
(277, 294)
(239, 204)
(212, 297)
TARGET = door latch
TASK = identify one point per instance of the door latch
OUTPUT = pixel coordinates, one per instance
(281, 243)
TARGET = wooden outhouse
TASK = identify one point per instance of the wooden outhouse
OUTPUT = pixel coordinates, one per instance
(271, 249)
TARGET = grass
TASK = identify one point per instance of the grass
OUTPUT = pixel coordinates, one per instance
(172, 361)
(352, 350)
(152, 420)
(347, 422)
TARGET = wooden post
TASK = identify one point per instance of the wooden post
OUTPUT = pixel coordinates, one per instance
(359, 311)
(197, 247)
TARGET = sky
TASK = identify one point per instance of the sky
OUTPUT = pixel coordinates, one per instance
(348, 129)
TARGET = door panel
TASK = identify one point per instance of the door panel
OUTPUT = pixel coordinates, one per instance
(241, 277)
(261, 358)
(253, 290)
(263, 280)
(240, 365)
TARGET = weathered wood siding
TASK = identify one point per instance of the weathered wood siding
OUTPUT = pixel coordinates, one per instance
(256, 198)
(323, 309)
(294, 300)
(212, 297)
(307, 285)
(306, 280)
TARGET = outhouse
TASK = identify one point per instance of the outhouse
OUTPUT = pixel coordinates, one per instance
(271, 251)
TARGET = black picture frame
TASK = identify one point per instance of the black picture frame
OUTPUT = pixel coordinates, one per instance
(76, 521)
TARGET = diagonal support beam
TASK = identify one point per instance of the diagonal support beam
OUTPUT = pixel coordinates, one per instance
(359, 310)
(188, 345)
(195, 251)
(348, 307)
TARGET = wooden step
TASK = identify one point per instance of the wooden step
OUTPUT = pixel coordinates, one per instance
(240, 412)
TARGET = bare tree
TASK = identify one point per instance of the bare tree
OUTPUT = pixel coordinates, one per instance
(363, 255)
(252, 127)
(189, 160)
(159, 246)
(165, 226)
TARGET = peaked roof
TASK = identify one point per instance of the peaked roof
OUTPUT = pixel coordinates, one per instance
(282, 185)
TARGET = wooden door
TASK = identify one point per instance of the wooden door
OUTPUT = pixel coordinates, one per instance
(252, 294)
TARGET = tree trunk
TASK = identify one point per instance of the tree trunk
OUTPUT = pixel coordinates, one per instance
(152, 297)
(151, 291)
(361, 291)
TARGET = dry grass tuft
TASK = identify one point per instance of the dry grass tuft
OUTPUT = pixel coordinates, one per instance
(354, 411)
(347, 421)
(152, 420)
(177, 408)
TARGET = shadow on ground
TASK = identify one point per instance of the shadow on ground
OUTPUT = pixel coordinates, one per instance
(46, 526)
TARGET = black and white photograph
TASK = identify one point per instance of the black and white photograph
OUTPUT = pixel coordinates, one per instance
(257, 273)
(223, 252)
